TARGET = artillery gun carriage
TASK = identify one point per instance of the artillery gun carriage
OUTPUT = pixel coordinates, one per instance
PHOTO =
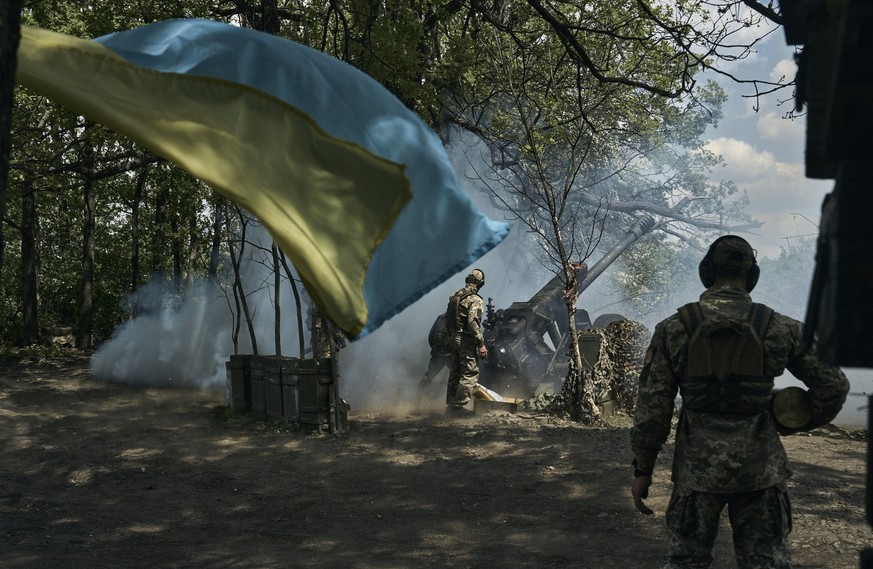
(528, 341)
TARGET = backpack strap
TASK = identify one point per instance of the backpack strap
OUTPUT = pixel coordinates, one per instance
(454, 310)
(760, 318)
(690, 315)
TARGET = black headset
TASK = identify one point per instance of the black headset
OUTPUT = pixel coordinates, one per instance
(471, 279)
(706, 269)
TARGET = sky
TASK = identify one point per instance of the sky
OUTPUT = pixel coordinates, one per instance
(764, 152)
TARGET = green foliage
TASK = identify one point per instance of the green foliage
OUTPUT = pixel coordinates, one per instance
(37, 352)
(649, 273)
(785, 280)
(584, 107)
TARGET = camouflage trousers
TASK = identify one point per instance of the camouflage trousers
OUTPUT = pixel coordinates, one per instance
(439, 359)
(760, 521)
(463, 371)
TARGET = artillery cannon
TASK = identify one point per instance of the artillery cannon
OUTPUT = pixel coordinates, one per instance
(527, 342)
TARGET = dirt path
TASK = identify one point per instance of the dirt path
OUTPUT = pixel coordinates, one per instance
(102, 475)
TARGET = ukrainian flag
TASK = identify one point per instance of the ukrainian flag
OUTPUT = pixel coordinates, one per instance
(321, 153)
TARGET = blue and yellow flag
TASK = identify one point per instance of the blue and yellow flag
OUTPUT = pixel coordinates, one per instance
(321, 153)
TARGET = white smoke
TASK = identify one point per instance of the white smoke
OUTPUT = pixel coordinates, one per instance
(185, 339)
(173, 341)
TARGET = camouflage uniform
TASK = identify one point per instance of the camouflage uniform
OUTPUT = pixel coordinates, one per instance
(465, 342)
(440, 354)
(727, 459)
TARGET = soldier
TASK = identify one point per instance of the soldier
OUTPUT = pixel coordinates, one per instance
(439, 339)
(463, 321)
(722, 354)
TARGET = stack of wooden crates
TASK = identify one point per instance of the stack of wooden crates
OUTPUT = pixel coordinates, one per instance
(279, 388)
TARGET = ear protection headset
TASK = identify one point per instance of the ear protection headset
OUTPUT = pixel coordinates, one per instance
(476, 276)
(706, 269)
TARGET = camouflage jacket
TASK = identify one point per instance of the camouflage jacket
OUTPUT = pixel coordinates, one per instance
(471, 308)
(718, 452)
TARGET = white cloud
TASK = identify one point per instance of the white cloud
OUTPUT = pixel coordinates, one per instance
(744, 162)
(779, 193)
(784, 70)
(772, 126)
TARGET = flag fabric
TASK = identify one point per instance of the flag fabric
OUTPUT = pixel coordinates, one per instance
(352, 185)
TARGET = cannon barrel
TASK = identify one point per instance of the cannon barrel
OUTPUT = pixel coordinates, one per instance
(545, 311)
(640, 227)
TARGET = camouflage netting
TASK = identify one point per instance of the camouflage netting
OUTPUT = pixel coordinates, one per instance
(613, 376)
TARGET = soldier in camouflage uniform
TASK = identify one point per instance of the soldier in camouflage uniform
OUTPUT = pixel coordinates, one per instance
(464, 322)
(721, 355)
(439, 339)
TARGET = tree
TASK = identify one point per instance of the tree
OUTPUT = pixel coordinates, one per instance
(612, 87)
(10, 17)
(572, 159)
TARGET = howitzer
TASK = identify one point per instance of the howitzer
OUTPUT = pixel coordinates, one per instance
(527, 342)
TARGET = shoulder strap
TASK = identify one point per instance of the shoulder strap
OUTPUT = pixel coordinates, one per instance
(690, 315)
(454, 309)
(760, 318)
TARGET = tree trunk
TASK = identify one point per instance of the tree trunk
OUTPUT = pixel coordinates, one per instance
(176, 248)
(236, 258)
(194, 241)
(10, 30)
(134, 227)
(29, 267)
(158, 260)
(577, 397)
(86, 306)
(215, 253)
(584, 402)
(277, 305)
(290, 275)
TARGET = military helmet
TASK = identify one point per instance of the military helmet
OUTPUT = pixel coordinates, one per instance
(476, 276)
(733, 252)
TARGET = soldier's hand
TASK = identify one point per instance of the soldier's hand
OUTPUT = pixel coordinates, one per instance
(483, 352)
(640, 490)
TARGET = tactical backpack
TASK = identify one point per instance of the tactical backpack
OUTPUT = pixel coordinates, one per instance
(725, 369)
(439, 336)
(454, 320)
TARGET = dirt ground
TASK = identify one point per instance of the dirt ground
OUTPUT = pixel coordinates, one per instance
(103, 475)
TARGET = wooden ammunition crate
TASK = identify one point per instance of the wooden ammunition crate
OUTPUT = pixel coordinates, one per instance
(289, 369)
(240, 382)
(510, 404)
(276, 387)
(259, 387)
(315, 386)
(273, 392)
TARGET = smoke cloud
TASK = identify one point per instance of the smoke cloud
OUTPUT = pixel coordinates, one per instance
(185, 339)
